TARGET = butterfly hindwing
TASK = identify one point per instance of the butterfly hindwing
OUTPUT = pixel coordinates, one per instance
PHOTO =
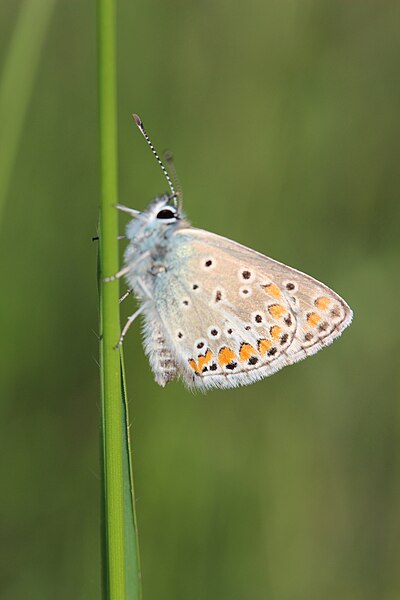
(233, 316)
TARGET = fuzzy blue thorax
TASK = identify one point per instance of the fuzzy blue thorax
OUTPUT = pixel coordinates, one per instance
(153, 247)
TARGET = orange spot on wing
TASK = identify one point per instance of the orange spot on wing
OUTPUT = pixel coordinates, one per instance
(276, 310)
(313, 319)
(264, 346)
(276, 332)
(225, 356)
(193, 364)
(322, 303)
(273, 290)
(204, 360)
(246, 351)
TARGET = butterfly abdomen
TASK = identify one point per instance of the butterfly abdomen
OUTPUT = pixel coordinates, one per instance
(161, 359)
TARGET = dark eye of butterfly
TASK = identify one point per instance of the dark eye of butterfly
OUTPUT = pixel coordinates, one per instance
(166, 213)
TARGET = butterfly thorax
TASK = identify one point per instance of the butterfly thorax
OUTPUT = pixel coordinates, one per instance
(154, 248)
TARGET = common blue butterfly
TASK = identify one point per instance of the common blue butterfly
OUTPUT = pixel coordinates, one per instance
(216, 313)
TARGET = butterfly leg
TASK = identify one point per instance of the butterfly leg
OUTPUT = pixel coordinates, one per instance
(118, 275)
(127, 293)
(127, 325)
(130, 211)
(127, 268)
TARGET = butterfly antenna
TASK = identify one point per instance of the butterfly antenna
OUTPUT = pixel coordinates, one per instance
(139, 123)
(169, 159)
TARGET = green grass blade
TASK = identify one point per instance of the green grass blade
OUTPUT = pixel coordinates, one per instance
(132, 556)
(120, 557)
(16, 83)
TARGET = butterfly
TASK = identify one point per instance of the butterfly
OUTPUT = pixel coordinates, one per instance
(218, 314)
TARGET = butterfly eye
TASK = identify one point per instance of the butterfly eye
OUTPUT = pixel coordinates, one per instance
(166, 213)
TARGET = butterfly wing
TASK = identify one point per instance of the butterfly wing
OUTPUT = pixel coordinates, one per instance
(232, 316)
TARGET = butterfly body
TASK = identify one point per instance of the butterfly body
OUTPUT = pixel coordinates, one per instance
(219, 314)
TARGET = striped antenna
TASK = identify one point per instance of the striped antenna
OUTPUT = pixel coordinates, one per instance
(169, 159)
(139, 123)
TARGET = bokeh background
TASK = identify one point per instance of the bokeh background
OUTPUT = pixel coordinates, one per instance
(284, 122)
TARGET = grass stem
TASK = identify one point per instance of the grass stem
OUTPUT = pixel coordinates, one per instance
(117, 519)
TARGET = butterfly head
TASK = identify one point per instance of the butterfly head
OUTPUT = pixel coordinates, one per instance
(159, 220)
(162, 211)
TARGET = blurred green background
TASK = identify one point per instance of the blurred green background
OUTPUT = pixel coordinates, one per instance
(284, 122)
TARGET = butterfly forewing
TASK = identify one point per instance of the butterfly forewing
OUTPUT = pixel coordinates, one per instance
(233, 316)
